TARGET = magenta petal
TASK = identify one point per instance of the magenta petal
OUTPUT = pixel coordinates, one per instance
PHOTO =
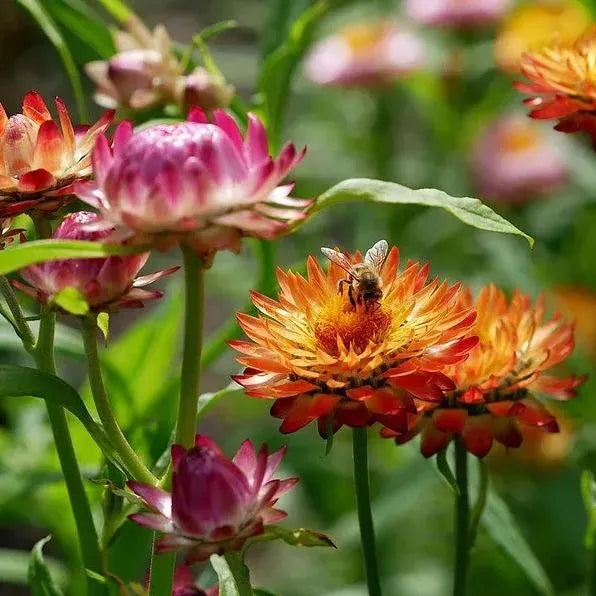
(196, 114)
(143, 280)
(121, 136)
(256, 147)
(246, 458)
(172, 542)
(154, 521)
(101, 158)
(285, 486)
(272, 516)
(229, 126)
(177, 452)
(273, 462)
(157, 499)
(206, 442)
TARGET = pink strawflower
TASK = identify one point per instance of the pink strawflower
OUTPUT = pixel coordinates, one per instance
(514, 160)
(196, 182)
(456, 13)
(216, 503)
(106, 283)
(372, 53)
(39, 160)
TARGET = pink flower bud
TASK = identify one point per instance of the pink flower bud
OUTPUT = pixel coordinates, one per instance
(39, 160)
(196, 182)
(515, 160)
(456, 13)
(206, 90)
(216, 503)
(105, 283)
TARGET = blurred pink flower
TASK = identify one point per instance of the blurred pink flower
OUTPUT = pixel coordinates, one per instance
(514, 160)
(39, 160)
(456, 13)
(216, 503)
(365, 54)
(106, 283)
(196, 182)
(205, 90)
(184, 584)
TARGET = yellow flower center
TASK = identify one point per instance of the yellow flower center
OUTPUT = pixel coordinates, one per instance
(355, 326)
(519, 138)
(363, 37)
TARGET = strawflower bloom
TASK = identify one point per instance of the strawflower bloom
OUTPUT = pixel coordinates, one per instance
(143, 73)
(513, 160)
(456, 13)
(496, 388)
(532, 25)
(563, 78)
(374, 53)
(216, 503)
(319, 357)
(195, 182)
(39, 160)
(108, 283)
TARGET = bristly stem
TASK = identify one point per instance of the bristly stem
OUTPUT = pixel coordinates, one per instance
(367, 532)
(462, 520)
(130, 459)
(240, 572)
(191, 355)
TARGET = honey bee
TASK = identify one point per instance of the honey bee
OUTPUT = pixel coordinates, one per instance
(363, 281)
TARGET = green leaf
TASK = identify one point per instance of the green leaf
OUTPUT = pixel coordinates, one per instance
(588, 491)
(39, 251)
(71, 300)
(226, 581)
(261, 592)
(502, 527)
(47, 25)
(21, 381)
(442, 466)
(471, 211)
(118, 9)
(279, 67)
(40, 580)
(14, 567)
(103, 323)
(84, 23)
(297, 537)
(208, 400)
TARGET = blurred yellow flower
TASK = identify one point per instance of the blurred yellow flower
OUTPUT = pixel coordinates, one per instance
(535, 24)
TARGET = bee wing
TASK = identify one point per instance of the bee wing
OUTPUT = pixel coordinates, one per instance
(376, 255)
(339, 259)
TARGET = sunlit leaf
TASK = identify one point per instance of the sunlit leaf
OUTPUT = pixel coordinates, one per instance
(14, 565)
(21, 381)
(226, 581)
(208, 400)
(295, 537)
(71, 300)
(40, 580)
(588, 490)
(471, 211)
(118, 9)
(103, 324)
(502, 527)
(47, 25)
(39, 251)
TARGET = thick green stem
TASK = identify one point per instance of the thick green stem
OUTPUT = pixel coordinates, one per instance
(130, 459)
(21, 325)
(240, 572)
(92, 559)
(191, 355)
(462, 520)
(367, 532)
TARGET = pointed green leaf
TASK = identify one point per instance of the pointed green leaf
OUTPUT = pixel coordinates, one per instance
(118, 9)
(442, 466)
(22, 381)
(226, 581)
(18, 256)
(296, 537)
(103, 323)
(471, 211)
(71, 300)
(40, 580)
(502, 527)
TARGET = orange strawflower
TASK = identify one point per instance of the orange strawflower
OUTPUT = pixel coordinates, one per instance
(322, 356)
(564, 77)
(496, 386)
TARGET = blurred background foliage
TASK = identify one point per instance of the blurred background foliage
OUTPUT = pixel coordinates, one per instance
(420, 131)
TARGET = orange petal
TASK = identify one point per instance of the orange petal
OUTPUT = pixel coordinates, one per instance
(48, 149)
(449, 420)
(34, 107)
(478, 435)
(506, 432)
(433, 440)
(36, 181)
(67, 129)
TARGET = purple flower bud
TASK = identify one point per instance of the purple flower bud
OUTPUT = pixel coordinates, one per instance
(216, 503)
(206, 90)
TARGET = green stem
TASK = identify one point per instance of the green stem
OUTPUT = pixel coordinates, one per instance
(367, 532)
(240, 571)
(383, 131)
(480, 504)
(191, 355)
(92, 559)
(130, 459)
(592, 577)
(462, 520)
(161, 573)
(21, 325)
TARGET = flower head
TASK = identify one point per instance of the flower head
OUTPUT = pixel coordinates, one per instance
(365, 54)
(564, 77)
(495, 387)
(196, 182)
(320, 355)
(458, 13)
(216, 503)
(513, 160)
(143, 73)
(105, 283)
(39, 160)
(533, 25)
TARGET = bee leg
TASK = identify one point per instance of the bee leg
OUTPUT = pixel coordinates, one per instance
(340, 286)
(351, 296)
